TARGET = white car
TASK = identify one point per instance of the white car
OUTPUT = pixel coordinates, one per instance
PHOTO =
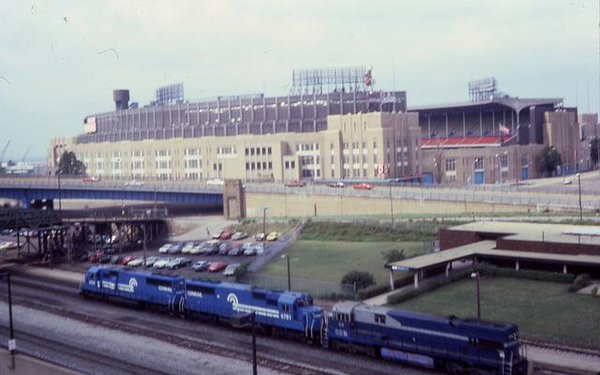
(230, 270)
(215, 181)
(196, 249)
(188, 247)
(164, 248)
(136, 262)
(134, 183)
(161, 263)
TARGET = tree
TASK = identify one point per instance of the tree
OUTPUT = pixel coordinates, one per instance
(361, 278)
(548, 160)
(393, 255)
(69, 165)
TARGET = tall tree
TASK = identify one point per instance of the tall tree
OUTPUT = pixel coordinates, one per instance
(69, 165)
(547, 161)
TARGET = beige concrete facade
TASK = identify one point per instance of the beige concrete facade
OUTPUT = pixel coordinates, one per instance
(359, 146)
(458, 166)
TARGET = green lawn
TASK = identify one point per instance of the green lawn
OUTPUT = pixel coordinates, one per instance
(541, 309)
(329, 261)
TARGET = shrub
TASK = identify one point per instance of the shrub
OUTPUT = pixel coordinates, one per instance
(360, 278)
(393, 255)
(372, 291)
(581, 281)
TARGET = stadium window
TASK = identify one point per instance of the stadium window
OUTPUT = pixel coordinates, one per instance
(270, 165)
(264, 150)
(293, 165)
(264, 165)
(287, 165)
(269, 150)
(258, 151)
(247, 151)
(253, 166)
(247, 166)
(252, 151)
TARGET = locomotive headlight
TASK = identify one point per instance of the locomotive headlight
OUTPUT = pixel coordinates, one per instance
(501, 354)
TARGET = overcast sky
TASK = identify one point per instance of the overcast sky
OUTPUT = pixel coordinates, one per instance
(56, 66)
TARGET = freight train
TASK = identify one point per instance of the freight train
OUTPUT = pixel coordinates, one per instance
(452, 345)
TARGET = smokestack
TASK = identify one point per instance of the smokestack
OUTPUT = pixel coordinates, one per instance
(121, 98)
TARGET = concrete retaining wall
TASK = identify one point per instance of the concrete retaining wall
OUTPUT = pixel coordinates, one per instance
(307, 205)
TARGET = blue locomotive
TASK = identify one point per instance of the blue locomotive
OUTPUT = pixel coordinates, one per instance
(285, 312)
(451, 345)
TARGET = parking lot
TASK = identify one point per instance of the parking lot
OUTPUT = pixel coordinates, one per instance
(202, 258)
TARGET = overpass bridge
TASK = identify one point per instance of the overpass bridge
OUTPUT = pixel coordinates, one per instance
(28, 190)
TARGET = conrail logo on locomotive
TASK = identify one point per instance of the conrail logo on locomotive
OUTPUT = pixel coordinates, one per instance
(130, 287)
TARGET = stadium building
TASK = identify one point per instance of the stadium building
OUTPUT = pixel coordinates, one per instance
(332, 126)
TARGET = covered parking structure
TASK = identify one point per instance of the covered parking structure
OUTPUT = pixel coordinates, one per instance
(556, 246)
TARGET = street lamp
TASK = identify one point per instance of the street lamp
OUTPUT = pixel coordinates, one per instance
(475, 275)
(579, 186)
(264, 226)
(144, 229)
(391, 204)
(289, 280)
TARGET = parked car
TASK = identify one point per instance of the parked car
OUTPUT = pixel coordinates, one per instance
(217, 235)
(224, 248)
(235, 251)
(161, 263)
(201, 265)
(164, 248)
(259, 249)
(116, 259)
(137, 262)
(134, 183)
(217, 266)
(250, 251)
(127, 259)
(239, 236)
(175, 248)
(295, 184)
(188, 247)
(90, 179)
(231, 269)
(178, 263)
(567, 181)
(273, 236)
(215, 181)
(362, 186)
(150, 261)
(197, 249)
(104, 258)
(259, 236)
(338, 184)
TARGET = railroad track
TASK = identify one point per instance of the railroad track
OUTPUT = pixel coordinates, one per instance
(276, 354)
(53, 349)
(590, 354)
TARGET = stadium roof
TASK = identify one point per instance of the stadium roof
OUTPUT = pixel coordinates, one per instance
(427, 143)
(513, 103)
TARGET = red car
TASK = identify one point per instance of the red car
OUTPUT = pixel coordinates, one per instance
(217, 266)
(90, 179)
(362, 186)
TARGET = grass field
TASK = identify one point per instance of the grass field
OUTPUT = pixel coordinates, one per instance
(541, 309)
(329, 261)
